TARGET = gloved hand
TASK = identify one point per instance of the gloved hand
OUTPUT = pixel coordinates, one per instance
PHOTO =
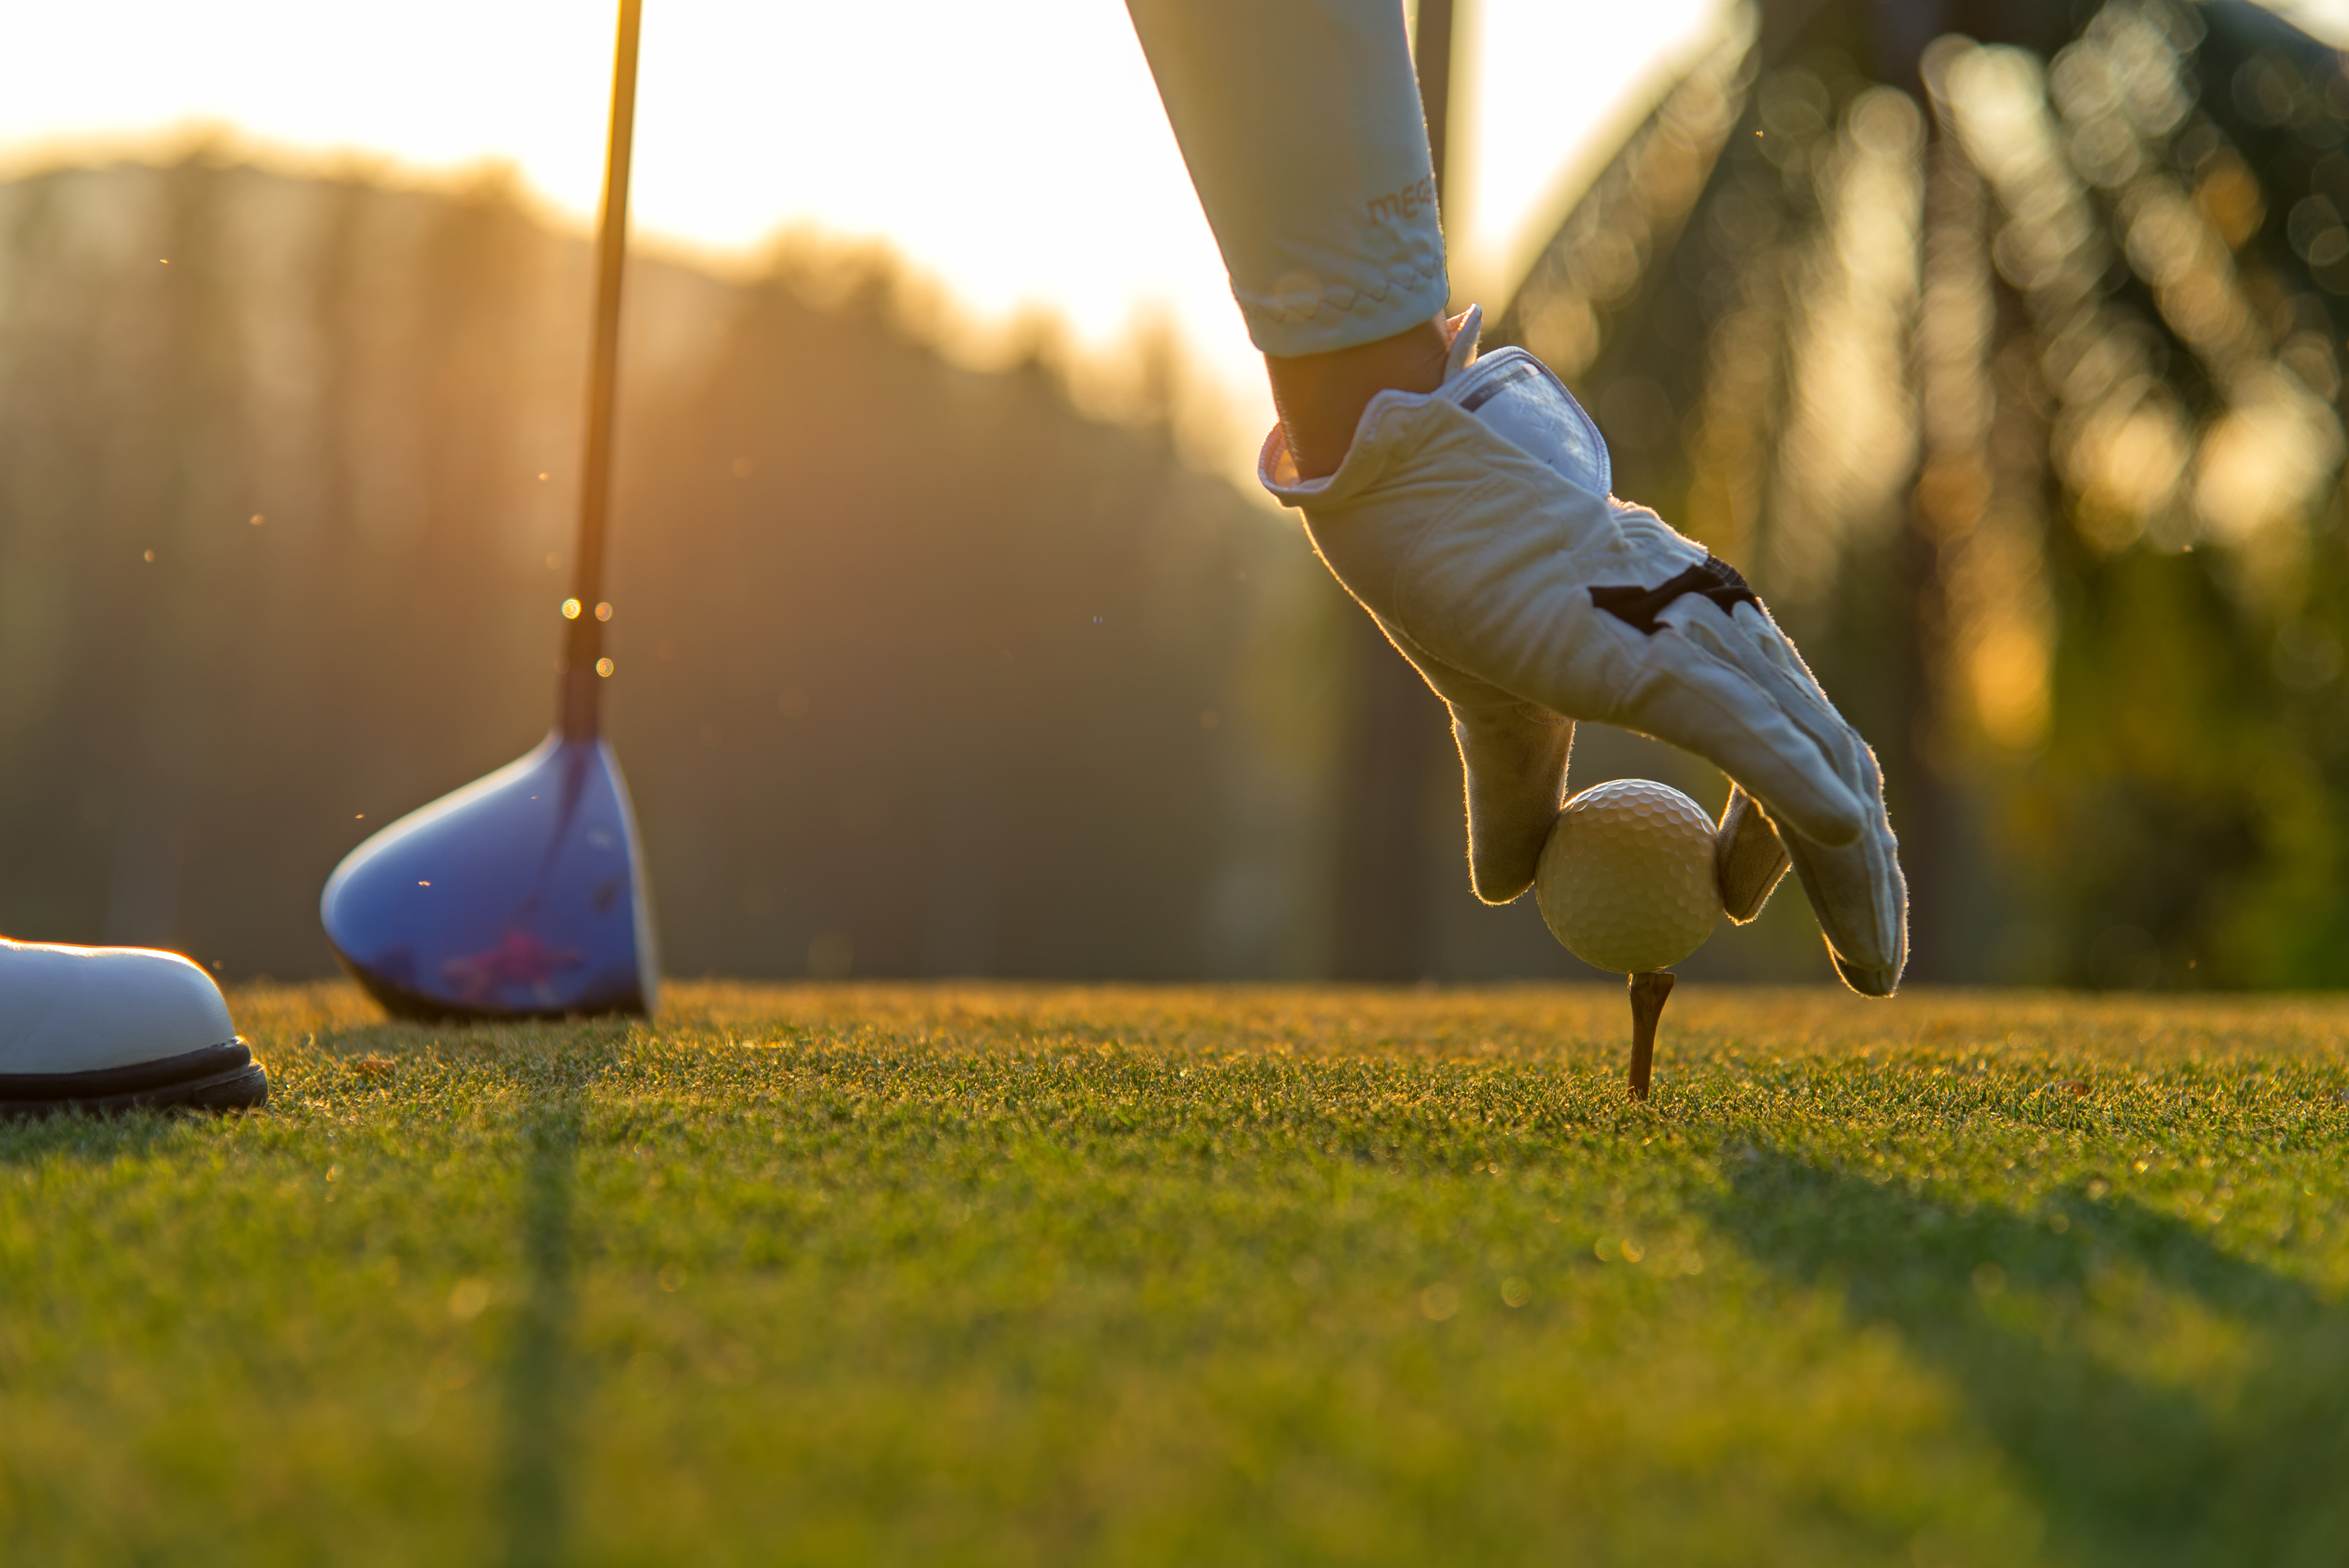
(1474, 524)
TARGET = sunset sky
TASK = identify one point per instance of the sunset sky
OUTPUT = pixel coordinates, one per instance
(1017, 154)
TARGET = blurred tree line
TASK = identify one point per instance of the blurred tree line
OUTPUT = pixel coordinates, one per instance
(1999, 342)
(921, 670)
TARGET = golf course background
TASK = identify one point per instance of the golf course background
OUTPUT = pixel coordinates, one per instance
(996, 1276)
(925, 670)
(921, 670)
(2008, 368)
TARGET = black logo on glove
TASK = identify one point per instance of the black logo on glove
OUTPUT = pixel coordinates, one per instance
(1713, 577)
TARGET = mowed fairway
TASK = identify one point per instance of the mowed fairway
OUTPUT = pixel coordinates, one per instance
(995, 1275)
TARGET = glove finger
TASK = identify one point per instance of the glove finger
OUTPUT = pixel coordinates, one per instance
(1513, 757)
(1513, 766)
(1757, 644)
(1748, 859)
(1855, 888)
(1699, 701)
(1862, 904)
(1750, 642)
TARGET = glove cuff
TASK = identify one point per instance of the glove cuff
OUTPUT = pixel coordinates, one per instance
(1276, 469)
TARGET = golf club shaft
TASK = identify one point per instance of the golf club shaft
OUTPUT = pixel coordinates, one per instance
(583, 638)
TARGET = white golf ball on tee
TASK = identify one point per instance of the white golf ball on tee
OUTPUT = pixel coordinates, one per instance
(1627, 879)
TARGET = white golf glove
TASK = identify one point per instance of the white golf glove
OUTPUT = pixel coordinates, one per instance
(1474, 524)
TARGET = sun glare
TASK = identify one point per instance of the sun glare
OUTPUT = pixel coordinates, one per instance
(1019, 157)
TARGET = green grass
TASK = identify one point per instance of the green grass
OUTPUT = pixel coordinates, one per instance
(903, 1275)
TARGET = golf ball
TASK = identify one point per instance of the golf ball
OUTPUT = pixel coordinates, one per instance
(1626, 880)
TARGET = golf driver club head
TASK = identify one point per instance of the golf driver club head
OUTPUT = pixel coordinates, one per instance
(520, 895)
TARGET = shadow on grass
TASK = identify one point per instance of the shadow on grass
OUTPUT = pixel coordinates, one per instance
(545, 1382)
(2125, 1467)
(541, 1373)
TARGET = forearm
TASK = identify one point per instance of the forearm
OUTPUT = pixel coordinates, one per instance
(1300, 120)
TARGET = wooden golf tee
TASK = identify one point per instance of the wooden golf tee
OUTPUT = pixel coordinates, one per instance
(1648, 994)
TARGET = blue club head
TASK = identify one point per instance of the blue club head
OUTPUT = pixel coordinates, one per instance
(520, 895)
